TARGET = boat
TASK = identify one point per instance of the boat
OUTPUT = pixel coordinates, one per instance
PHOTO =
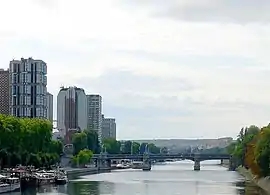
(146, 168)
(122, 166)
(9, 184)
(45, 178)
(137, 165)
(61, 178)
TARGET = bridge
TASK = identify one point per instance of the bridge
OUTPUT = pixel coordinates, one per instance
(193, 157)
(105, 158)
(197, 158)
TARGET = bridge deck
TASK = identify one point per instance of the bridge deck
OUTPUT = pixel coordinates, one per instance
(165, 156)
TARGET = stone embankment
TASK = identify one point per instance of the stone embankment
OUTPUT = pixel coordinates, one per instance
(263, 183)
(75, 172)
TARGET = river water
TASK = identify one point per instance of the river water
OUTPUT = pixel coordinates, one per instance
(176, 178)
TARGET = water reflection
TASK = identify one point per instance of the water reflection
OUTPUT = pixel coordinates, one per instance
(84, 188)
(178, 178)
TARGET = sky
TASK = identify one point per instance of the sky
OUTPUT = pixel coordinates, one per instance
(165, 69)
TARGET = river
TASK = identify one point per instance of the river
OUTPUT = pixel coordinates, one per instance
(176, 178)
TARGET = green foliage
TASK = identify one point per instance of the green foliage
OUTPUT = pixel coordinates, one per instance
(127, 147)
(112, 146)
(92, 141)
(28, 142)
(79, 141)
(135, 147)
(153, 149)
(252, 150)
(262, 151)
(83, 157)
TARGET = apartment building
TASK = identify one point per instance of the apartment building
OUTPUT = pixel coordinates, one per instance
(108, 128)
(28, 88)
(49, 106)
(4, 91)
(71, 111)
(94, 114)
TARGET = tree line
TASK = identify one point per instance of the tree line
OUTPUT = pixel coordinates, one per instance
(86, 143)
(27, 141)
(252, 150)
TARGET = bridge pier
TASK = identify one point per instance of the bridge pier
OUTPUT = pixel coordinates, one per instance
(232, 164)
(146, 162)
(108, 163)
(221, 161)
(197, 165)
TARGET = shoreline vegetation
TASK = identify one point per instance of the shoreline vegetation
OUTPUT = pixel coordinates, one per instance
(27, 141)
(251, 154)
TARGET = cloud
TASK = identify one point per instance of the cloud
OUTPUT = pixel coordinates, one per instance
(228, 11)
(46, 3)
(164, 68)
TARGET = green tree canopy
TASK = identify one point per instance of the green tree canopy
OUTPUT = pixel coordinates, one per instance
(112, 146)
(27, 141)
(127, 147)
(135, 148)
(262, 151)
(83, 157)
(153, 148)
(92, 141)
(79, 141)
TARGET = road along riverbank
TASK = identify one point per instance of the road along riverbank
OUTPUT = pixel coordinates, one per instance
(263, 183)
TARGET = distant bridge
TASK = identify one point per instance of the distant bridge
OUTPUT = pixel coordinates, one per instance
(193, 157)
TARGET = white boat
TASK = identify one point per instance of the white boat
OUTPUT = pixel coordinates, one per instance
(137, 165)
(9, 184)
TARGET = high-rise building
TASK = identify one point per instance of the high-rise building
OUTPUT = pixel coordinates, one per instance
(108, 128)
(28, 88)
(49, 106)
(71, 112)
(94, 113)
(4, 91)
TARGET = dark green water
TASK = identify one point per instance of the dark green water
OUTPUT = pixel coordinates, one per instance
(172, 179)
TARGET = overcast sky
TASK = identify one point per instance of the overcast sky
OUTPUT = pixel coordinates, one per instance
(165, 68)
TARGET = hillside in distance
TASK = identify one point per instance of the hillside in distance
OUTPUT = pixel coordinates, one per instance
(178, 144)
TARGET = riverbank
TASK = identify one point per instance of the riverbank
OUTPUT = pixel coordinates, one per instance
(76, 172)
(263, 183)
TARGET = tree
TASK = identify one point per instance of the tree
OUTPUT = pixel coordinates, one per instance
(92, 141)
(79, 141)
(250, 160)
(239, 149)
(127, 147)
(83, 157)
(262, 151)
(112, 145)
(27, 141)
(153, 148)
(135, 148)
(142, 148)
(56, 147)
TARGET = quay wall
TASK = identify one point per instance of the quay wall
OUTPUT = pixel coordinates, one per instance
(76, 172)
(263, 183)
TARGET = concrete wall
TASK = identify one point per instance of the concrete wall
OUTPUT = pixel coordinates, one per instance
(263, 183)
